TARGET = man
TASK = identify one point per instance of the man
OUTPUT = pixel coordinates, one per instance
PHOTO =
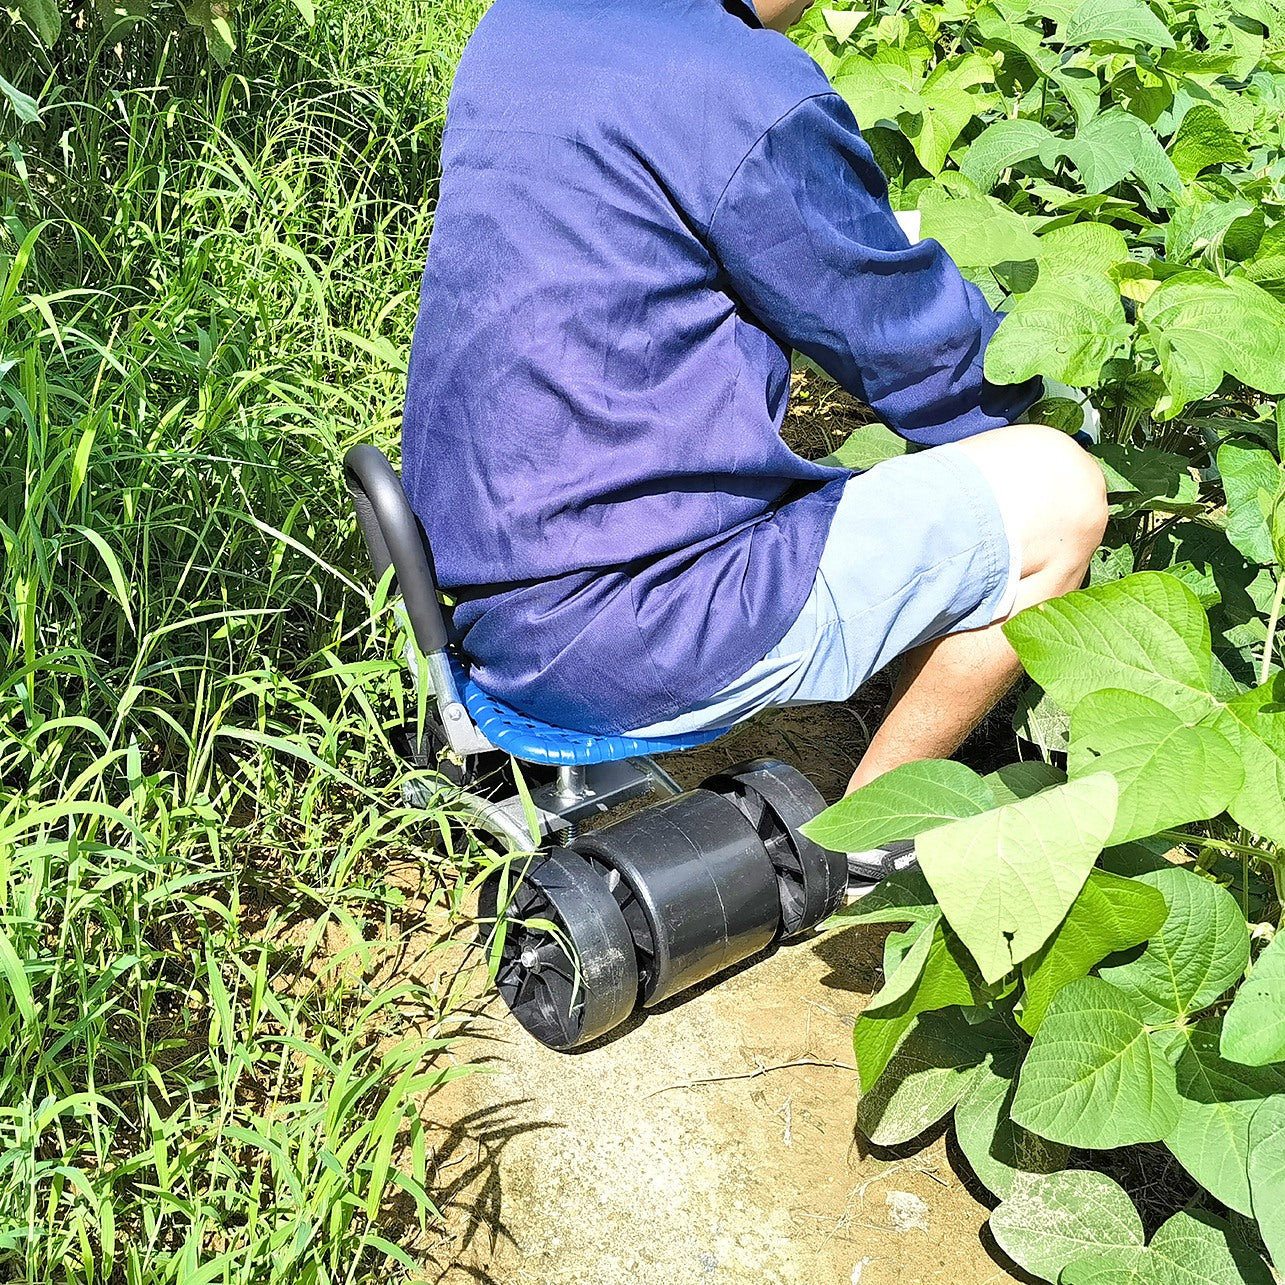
(644, 208)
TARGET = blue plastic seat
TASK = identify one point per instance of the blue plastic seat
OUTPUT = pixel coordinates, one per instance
(532, 741)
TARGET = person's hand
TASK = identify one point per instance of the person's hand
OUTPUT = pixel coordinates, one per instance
(1090, 429)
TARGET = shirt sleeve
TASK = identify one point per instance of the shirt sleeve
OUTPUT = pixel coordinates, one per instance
(808, 241)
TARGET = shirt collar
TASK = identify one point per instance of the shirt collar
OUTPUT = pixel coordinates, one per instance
(744, 10)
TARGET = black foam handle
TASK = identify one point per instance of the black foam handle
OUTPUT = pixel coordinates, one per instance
(395, 537)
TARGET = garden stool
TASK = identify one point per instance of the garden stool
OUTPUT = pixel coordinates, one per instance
(595, 923)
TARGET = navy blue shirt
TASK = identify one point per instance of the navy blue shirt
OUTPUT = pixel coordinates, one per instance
(645, 205)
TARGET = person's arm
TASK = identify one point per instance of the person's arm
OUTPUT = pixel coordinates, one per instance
(809, 242)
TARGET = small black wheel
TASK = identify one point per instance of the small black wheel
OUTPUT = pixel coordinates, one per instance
(694, 885)
(779, 800)
(572, 983)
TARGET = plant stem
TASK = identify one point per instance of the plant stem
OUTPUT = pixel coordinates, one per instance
(1271, 630)
(1226, 845)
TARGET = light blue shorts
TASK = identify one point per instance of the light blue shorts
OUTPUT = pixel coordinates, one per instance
(918, 549)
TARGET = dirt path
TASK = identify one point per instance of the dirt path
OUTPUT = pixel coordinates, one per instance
(711, 1143)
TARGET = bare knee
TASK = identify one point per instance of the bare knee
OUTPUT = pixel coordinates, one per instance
(1052, 495)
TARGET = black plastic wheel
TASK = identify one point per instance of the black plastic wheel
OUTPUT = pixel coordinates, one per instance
(779, 800)
(570, 986)
(694, 884)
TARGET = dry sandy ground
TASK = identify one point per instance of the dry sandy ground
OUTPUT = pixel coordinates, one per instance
(711, 1143)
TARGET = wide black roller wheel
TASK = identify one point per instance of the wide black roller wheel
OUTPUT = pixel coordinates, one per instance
(779, 800)
(694, 884)
(569, 986)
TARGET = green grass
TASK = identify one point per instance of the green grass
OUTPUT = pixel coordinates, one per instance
(207, 287)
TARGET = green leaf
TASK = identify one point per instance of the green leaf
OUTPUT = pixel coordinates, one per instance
(1116, 146)
(44, 17)
(1081, 249)
(1145, 478)
(1245, 471)
(876, 90)
(998, 1150)
(1254, 1027)
(1190, 1249)
(1094, 1077)
(1254, 723)
(1065, 328)
(26, 107)
(976, 231)
(934, 973)
(1201, 949)
(1203, 327)
(930, 1072)
(943, 113)
(1001, 145)
(865, 447)
(843, 23)
(1216, 1101)
(1117, 22)
(1054, 1222)
(1267, 1174)
(1110, 914)
(1169, 773)
(1039, 719)
(1005, 879)
(901, 804)
(903, 897)
(1021, 780)
(1194, 229)
(1146, 633)
(214, 18)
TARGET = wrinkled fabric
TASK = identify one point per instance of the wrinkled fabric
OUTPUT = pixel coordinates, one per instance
(644, 208)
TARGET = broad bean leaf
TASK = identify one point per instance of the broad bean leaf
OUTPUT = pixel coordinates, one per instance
(1081, 249)
(1217, 1100)
(1267, 1174)
(1094, 1076)
(1054, 1222)
(1006, 878)
(903, 897)
(1254, 1026)
(1200, 950)
(976, 231)
(865, 447)
(1146, 633)
(1001, 145)
(1246, 470)
(1254, 722)
(1067, 328)
(901, 804)
(1039, 719)
(934, 973)
(1189, 1249)
(998, 1150)
(1204, 327)
(1118, 22)
(1021, 780)
(929, 1073)
(1169, 772)
(1110, 914)
(1147, 478)
(1203, 139)
(876, 90)
(1115, 146)
(1193, 229)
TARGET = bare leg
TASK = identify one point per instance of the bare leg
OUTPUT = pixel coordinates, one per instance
(1052, 496)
